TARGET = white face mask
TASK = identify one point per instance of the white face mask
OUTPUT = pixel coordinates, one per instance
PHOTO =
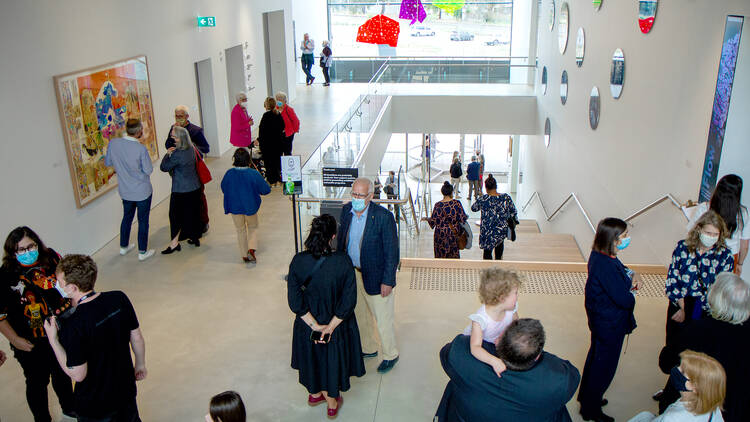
(59, 288)
(708, 241)
(243, 103)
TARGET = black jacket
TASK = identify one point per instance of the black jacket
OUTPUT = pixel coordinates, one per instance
(476, 394)
(196, 137)
(609, 303)
(456, 170)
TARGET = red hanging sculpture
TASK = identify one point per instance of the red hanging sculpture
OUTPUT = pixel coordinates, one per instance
(379, 30)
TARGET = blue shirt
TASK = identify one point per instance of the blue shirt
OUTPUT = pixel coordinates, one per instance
(133, 166)
(356, 230)
(242, 187)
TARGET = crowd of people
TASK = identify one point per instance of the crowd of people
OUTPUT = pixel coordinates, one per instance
(341, 290)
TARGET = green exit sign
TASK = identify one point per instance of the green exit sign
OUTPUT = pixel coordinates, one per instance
(206, 21)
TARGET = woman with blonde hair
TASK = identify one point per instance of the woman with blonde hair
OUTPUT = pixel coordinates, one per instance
(702, 384)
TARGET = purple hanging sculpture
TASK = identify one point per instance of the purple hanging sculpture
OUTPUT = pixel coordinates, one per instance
(412, 9)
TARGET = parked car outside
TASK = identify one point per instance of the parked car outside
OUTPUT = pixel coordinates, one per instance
(422, 31)
(495, 42)
(462, 36)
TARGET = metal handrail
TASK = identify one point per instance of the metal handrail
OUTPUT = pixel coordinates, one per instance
(446, 58)
(375, 200)
(669, 196)
(628, 219)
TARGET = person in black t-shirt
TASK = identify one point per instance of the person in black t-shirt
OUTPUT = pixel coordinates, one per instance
(27, 296)
(93, 345)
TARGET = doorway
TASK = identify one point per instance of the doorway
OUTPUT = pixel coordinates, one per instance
(275, 48)
(235, 62)
(207, 104)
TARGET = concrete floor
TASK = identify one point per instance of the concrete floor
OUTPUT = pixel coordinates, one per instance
(212, 324)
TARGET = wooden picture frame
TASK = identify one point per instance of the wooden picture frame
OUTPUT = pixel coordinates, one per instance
(94, 105)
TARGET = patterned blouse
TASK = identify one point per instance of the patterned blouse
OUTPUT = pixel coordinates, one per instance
(495, 213)
(691, 274)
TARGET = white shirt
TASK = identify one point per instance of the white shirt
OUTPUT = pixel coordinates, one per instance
(676, 412)
(491, 329)
(733, 243)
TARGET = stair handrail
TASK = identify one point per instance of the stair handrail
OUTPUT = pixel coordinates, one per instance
(628, 219)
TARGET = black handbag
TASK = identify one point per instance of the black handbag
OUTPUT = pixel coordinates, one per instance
(512, 223)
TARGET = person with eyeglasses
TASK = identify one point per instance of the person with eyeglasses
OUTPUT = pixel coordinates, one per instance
(27, 297)
(368, 234)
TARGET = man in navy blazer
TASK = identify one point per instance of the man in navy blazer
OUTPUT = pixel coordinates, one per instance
(368, 234)
(536, 386)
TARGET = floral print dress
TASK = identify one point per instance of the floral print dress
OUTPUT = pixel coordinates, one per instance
(446, 215)
(495, 212)
(692, 274)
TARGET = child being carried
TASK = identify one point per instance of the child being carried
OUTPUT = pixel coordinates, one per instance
(498, 293)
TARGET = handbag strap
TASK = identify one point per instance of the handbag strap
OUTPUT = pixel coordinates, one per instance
(312, 272)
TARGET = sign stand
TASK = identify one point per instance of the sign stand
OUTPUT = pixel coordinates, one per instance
(294, 218)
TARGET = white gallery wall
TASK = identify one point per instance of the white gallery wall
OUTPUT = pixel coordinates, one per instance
(649, 142)
(311, 17)
(44, 38)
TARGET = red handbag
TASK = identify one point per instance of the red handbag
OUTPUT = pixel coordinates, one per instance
(200, 166)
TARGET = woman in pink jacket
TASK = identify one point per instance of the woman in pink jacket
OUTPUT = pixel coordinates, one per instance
(240, 135)
(291, 122)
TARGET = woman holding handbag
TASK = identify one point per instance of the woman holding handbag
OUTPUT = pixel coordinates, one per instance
(181, 163)
(496, 209)
(322, 293)
(447, 218)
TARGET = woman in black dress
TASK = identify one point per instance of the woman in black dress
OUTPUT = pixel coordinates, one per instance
(322, 293)
(270, 138)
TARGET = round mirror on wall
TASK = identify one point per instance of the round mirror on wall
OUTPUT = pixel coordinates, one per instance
(580, 47)
(646, 14)
(551, 12)
(564, 87)
(617, 73)
(546, 133)
(562, 27)
(597, 4)
(594, 106)
(544, 80)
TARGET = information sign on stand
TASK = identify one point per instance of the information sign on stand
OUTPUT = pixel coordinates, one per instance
(341, 177)
(291, 169)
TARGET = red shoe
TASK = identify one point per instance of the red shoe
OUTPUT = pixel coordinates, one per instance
(332, 413)
(314, 401)
(251, 256)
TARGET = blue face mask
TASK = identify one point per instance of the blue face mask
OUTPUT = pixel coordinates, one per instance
(358, 205)
(28, 257)
(678, 379)
(624, 243)
(279, 104)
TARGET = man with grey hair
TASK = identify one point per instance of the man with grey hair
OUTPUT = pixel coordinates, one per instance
(367, 232)
(181, 118)
(132, 164)
(472, 176)
(725, 336)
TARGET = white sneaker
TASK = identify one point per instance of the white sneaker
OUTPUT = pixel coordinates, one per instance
(125, 250)
(142, 256)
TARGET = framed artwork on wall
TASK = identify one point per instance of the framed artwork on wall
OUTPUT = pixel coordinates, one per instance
(94, 105)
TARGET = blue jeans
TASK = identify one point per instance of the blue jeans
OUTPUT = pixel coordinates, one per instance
(307, 64)
(129, 208)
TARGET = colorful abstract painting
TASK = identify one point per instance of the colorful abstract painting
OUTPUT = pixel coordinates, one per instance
(646, 14)
(94, 106)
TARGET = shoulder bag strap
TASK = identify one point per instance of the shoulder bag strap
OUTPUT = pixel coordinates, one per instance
(312, 272)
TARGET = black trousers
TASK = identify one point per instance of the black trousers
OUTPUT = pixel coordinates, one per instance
(499, 248)
(185, 215)
(598, 372)
(39, 365)
(325, 74)
(286, 145)
(128, 413)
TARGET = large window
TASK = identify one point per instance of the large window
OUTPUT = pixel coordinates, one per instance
(478, 29)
